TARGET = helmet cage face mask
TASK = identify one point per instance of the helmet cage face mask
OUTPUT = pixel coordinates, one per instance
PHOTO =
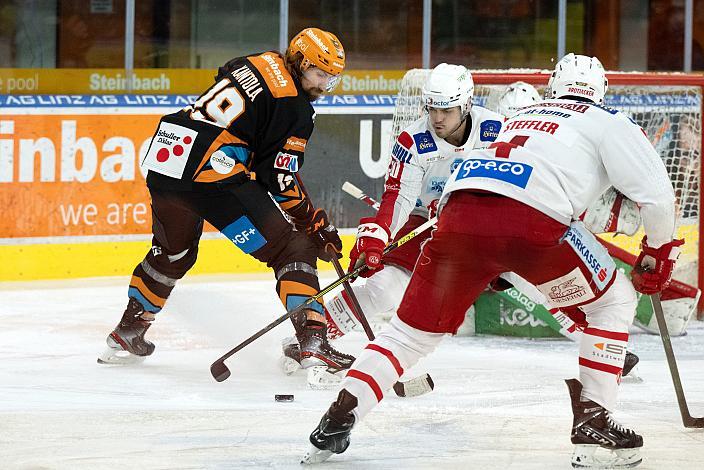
(449, 86)
(578, 75)
(331, 81)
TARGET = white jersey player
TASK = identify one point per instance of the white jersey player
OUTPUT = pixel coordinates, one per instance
(424, 155)
(548, 164)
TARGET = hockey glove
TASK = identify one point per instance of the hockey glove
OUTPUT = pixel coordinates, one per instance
(372, 238)
(653, 269)
(322, 233)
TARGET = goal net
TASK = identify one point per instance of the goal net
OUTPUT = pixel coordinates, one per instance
(667, 106)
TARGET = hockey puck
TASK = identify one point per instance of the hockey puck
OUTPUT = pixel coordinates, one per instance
(283, 398)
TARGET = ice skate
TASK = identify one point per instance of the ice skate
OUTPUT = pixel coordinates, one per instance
(126, 343)
(290, 360)
(600, 442)
(630, 371)
(316, 351)
(332, 436)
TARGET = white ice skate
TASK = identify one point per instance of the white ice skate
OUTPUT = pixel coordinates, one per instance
(594, 456)
(314, 455)
(324, 378)
(117, 355)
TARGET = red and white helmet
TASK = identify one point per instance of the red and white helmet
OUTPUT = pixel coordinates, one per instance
(448, 86)
(516, 96)
(578, 75)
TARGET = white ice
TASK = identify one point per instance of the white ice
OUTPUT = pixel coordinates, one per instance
(499, 403)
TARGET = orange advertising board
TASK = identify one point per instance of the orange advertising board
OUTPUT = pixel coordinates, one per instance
(73, 175)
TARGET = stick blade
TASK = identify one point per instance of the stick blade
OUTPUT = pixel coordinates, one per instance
(694, 423)
(414, 387)
(352, 190)
(219, 371)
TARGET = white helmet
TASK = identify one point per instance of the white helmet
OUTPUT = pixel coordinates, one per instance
(578, 75)
(517, 95)
(448, 86)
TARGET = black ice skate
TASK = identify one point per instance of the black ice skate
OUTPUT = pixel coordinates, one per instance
(629, 363)
(592, 428)
(316, 351)
(126, 343)
(332, 436)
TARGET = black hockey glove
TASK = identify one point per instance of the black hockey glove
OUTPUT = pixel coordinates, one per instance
(323, 234)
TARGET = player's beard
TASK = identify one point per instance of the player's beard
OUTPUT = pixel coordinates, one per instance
(313, 93)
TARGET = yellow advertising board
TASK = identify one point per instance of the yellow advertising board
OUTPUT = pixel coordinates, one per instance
(166, 81)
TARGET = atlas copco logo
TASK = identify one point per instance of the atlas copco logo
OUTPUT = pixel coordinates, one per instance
(435, 103)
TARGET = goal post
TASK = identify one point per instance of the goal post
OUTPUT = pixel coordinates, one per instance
(668, 106)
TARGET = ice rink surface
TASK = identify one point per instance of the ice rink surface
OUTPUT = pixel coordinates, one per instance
(499, 403)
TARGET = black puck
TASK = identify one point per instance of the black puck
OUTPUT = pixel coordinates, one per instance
(283, 397)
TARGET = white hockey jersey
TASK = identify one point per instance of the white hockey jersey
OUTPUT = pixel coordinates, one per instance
(559, 156)
(421, 163)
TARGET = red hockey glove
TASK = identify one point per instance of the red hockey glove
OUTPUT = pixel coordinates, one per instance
(322, 233)
(372, 238)
(653, 269)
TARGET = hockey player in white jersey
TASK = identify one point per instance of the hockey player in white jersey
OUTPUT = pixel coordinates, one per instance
(610, 213)
(514, 207)
(422, 159)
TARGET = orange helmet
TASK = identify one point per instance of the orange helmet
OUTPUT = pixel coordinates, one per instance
(320, 49)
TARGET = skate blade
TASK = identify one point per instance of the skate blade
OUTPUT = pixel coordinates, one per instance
(633, 377)
(596, 457)
(289, 366)
(119, 356)
(321, 378)
(314, 455)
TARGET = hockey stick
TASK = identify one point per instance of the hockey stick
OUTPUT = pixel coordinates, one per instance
(687, 419)
(218, 368)
(410, 388)
(357, 193)
(418, 385)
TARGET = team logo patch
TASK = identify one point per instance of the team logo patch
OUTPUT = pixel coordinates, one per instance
(286, 161)
(489, 130)
(425, 142)
(592, 253)
(514, 173)
(169, 150)
(400, 153)
(436, 185)
(221, 162)
(570, 289)
(244, 235)
(294, 143)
